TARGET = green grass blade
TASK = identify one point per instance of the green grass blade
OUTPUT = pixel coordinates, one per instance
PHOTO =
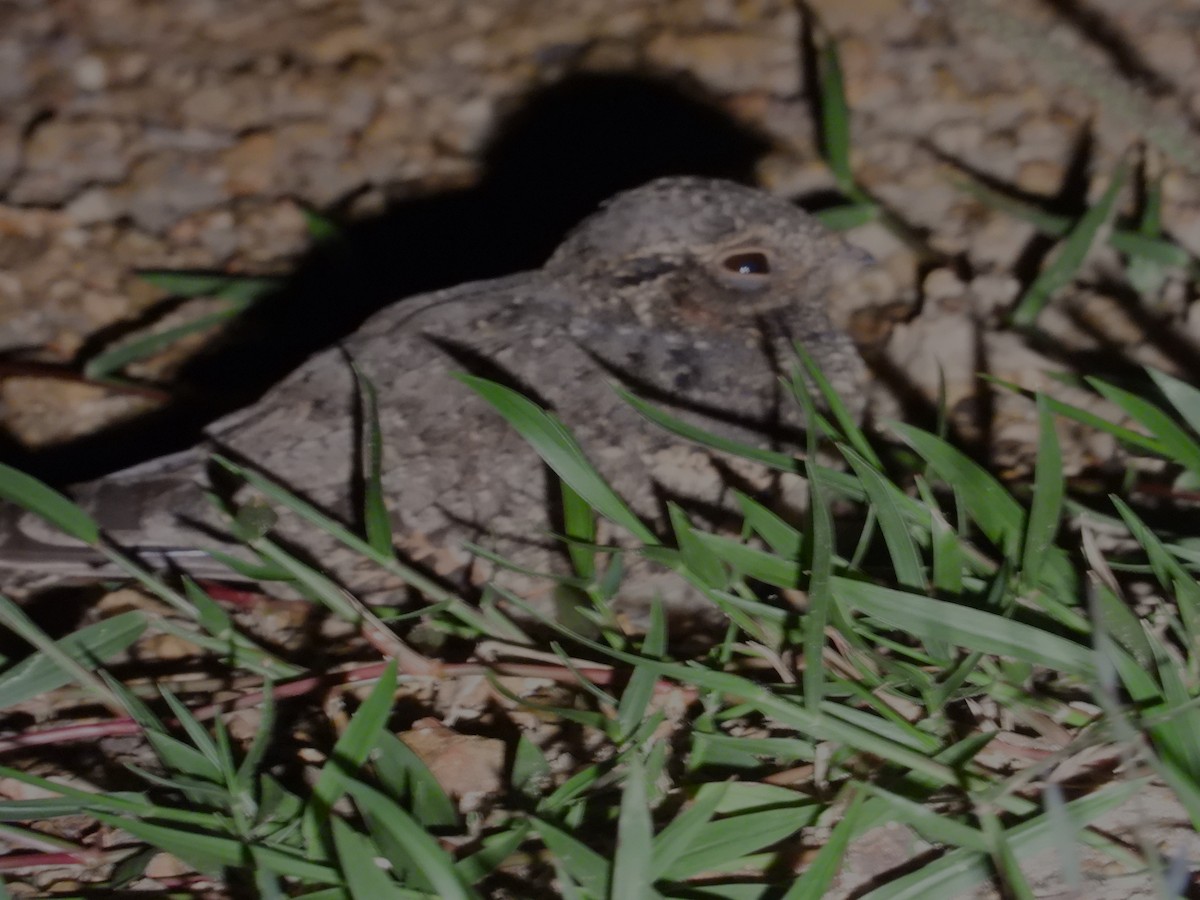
(1004, 858)
(591, 870)
(1179, 446)
(29, 493)
(931, 825)
(1084, 417)
(639, 690)
(306, 511)
(405, 775)
(124, 803)
(1132, 243)
(906, 558)
(781, 461)
(817, 560)
(322, 228)
(1183, 396)
(246, 774)
(116, 358)
(722, 842)
(68, 658)
(949, 557)
(812, 724)
(750, 561)
(814, 882)
(210, 284)
(200, 738)
(44, 672)
(528, 766)
(375, 513)
(683, 831)
(239, 293)
(209, 853)
(1074, 251)
(843, 484)
(835, 119)
(494, 849)
(1169, 571)
(579, 525)
(696, 558)
(560, 451)
(993, 509)
(964, 626)
(350, 753)
(313, 584)
(424, 851)
(781, 537)
(1120, 623)
(1045, 511)
(356, 856)
(635, 837)
(189, 771)
(1147, 276)
(959, 871)
(847, 216)
(841, 414)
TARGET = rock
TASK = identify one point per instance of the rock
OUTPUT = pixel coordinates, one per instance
(91, 73)
(10, 152)
(169, 185)
(250, 164)
(62, 155)
(95, 205)
(732, 62)
(1040, 177)
(855, 15)
(468, 768)
(1174, 51)
(338, 46)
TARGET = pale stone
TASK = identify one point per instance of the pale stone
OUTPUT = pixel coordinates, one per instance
(94, 205)
(91, 73)
(250, 164)
(1040, 177)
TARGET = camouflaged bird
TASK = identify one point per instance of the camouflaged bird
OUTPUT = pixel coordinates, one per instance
(689, 291)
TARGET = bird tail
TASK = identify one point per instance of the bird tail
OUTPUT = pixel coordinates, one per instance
(144, 510)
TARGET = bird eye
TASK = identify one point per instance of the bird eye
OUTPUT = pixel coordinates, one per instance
(745, 270)
(751, 263)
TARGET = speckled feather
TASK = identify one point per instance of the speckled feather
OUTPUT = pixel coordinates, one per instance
(689, 290)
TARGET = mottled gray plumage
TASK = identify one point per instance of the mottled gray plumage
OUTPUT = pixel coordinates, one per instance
(689, 290)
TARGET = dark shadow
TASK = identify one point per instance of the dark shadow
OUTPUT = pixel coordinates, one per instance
(1160, 332)
(471, 361)
(779, 433)
(1098, 30)
(1108, 357)
(59, 610)
(225, 486)
(810, 71)
(104, 337)
(555, 158)
(1111, 359)
(1069, 200)
(983, 399)
(915, 408)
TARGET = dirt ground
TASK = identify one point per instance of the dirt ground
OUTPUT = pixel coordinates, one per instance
(458, 140)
